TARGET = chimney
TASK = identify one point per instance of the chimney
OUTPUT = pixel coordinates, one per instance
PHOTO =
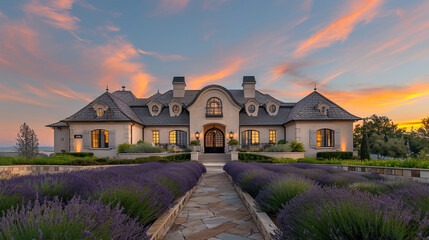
(179, 87)
(249, 83)
(123, 88)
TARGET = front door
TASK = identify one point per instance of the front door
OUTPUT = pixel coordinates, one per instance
(214, 141)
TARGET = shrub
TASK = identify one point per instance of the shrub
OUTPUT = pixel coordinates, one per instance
(281, 142)
(279, 191)
(256, 149)
(124, 147)
(345, 214)
(79, 219)
(371, 187)
(233, 142)
(280, 148)
(77, 154)
(341, 179)
(195, 143)
(336, 155)
(416, 197)
(241, 150)
(296, 146)
(259, 182)
(178, 157)
(249, 157)
(144, 147)
(372, 176)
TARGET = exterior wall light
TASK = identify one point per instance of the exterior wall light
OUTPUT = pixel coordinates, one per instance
(231, 135)
(197, 135)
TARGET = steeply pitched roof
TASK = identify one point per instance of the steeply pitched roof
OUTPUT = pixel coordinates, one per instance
(265, 119)
(58, 124)
(163, 118)
(118, 110)
(126, 96)
(306, 109)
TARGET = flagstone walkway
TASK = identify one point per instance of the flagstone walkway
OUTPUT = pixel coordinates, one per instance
(214, 211)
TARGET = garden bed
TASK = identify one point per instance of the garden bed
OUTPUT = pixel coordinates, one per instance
(312, 200)
(112, 203)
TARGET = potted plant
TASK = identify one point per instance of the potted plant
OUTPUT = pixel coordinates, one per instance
(233, 143)
(194, 144)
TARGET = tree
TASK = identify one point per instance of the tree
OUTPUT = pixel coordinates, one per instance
(393, 147)
(424, 130)
(27, 144)
(364, 150)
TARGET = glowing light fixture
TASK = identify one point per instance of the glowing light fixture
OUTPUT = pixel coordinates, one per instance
(197, 135)
(231, 135)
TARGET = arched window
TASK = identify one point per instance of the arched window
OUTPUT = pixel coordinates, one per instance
(214, 107)
(250, 137)
(176, 109)
(179, 138)
(325, 138)
(100, 112)
(99, 138)
(251, 108)
(155, 109)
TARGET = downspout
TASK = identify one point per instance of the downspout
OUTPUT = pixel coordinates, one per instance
(132, 132)
(284, 127)
(143, 133)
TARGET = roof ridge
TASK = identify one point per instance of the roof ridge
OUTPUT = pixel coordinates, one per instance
(114, 99)
(323, 96)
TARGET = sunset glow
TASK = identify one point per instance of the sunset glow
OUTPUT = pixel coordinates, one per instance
(56, 56)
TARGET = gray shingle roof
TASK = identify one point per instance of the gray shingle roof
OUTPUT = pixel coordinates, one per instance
(126, 96)
(163, 118)
(264, 119)
(58, 124)
(118, 110)
(306, 109)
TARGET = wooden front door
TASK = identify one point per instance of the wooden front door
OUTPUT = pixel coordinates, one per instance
(214, 141)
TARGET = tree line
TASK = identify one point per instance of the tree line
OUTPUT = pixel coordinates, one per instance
(380, 135)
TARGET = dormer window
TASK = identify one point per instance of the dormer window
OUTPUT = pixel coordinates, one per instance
(155, 109)
(251, 108)
(323, 108)
(176, 109)
(100, 112)
(273, 108)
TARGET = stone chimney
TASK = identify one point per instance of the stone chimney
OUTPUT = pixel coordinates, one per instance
(179, 87)
(249, 83)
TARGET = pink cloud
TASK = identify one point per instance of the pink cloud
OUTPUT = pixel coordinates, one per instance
(163, 57)
(167, 7)
(113, 28)
(54, 12)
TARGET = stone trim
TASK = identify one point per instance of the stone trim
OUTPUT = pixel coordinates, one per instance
(261, 219)
(163, 224)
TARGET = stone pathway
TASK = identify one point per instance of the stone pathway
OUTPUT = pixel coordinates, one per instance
(214, 211)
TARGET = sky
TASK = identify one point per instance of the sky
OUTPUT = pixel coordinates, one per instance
(369, 56)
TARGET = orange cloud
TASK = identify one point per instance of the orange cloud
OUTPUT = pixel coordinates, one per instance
(54, 12)
(197, 82)
(167, 7)
(69, 93)
(163, 57)
(341, 28)
(140, 82)
(408, 125)
(328, 79)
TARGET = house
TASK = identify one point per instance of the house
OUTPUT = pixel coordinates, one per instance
(212, 114)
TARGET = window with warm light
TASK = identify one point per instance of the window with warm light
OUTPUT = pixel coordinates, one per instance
(325, 138)
(273, 136)
(99, 138)
(214, 107)
(155, 136)
(176, 109)
(100, 112)
(178, 138)
(250, 137)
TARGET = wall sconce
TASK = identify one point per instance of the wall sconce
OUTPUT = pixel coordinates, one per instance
(197, 135)
(231, 135)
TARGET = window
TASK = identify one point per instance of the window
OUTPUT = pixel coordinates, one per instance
(155, 136)
(251, 108)
(325, 138)
(155, 109)
(178, 138)
(273, 136)
(250, 137)
(99, 138)
(176, 109)
(214, 107)
(100, 112)
(273, 108)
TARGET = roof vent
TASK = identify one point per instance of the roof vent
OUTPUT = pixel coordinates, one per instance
(123, 88)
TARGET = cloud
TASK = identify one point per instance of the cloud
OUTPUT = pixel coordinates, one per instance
(54, 12)
(196, 82)
(408, 125)
(163, 57)
(329, 78)
(168, 7)
(113, 28)
(290, 69)
(2, 15)
(340, 28)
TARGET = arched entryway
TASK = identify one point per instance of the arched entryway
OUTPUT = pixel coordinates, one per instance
(214, 141)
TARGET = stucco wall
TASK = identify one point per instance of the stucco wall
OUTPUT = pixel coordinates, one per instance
(121, 132)
(61, 139)
(137, 130)
(164, 133)
(198, 119)
(300, 131)
(264, 132)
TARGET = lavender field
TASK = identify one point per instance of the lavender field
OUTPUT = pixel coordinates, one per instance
(318, 202)
(112, 203)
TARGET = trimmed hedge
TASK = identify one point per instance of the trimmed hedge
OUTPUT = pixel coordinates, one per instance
(250, 157)
(336, 155)
(77, 154)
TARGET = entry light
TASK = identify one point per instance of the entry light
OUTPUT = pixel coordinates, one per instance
(231, 135)
(197, 135)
